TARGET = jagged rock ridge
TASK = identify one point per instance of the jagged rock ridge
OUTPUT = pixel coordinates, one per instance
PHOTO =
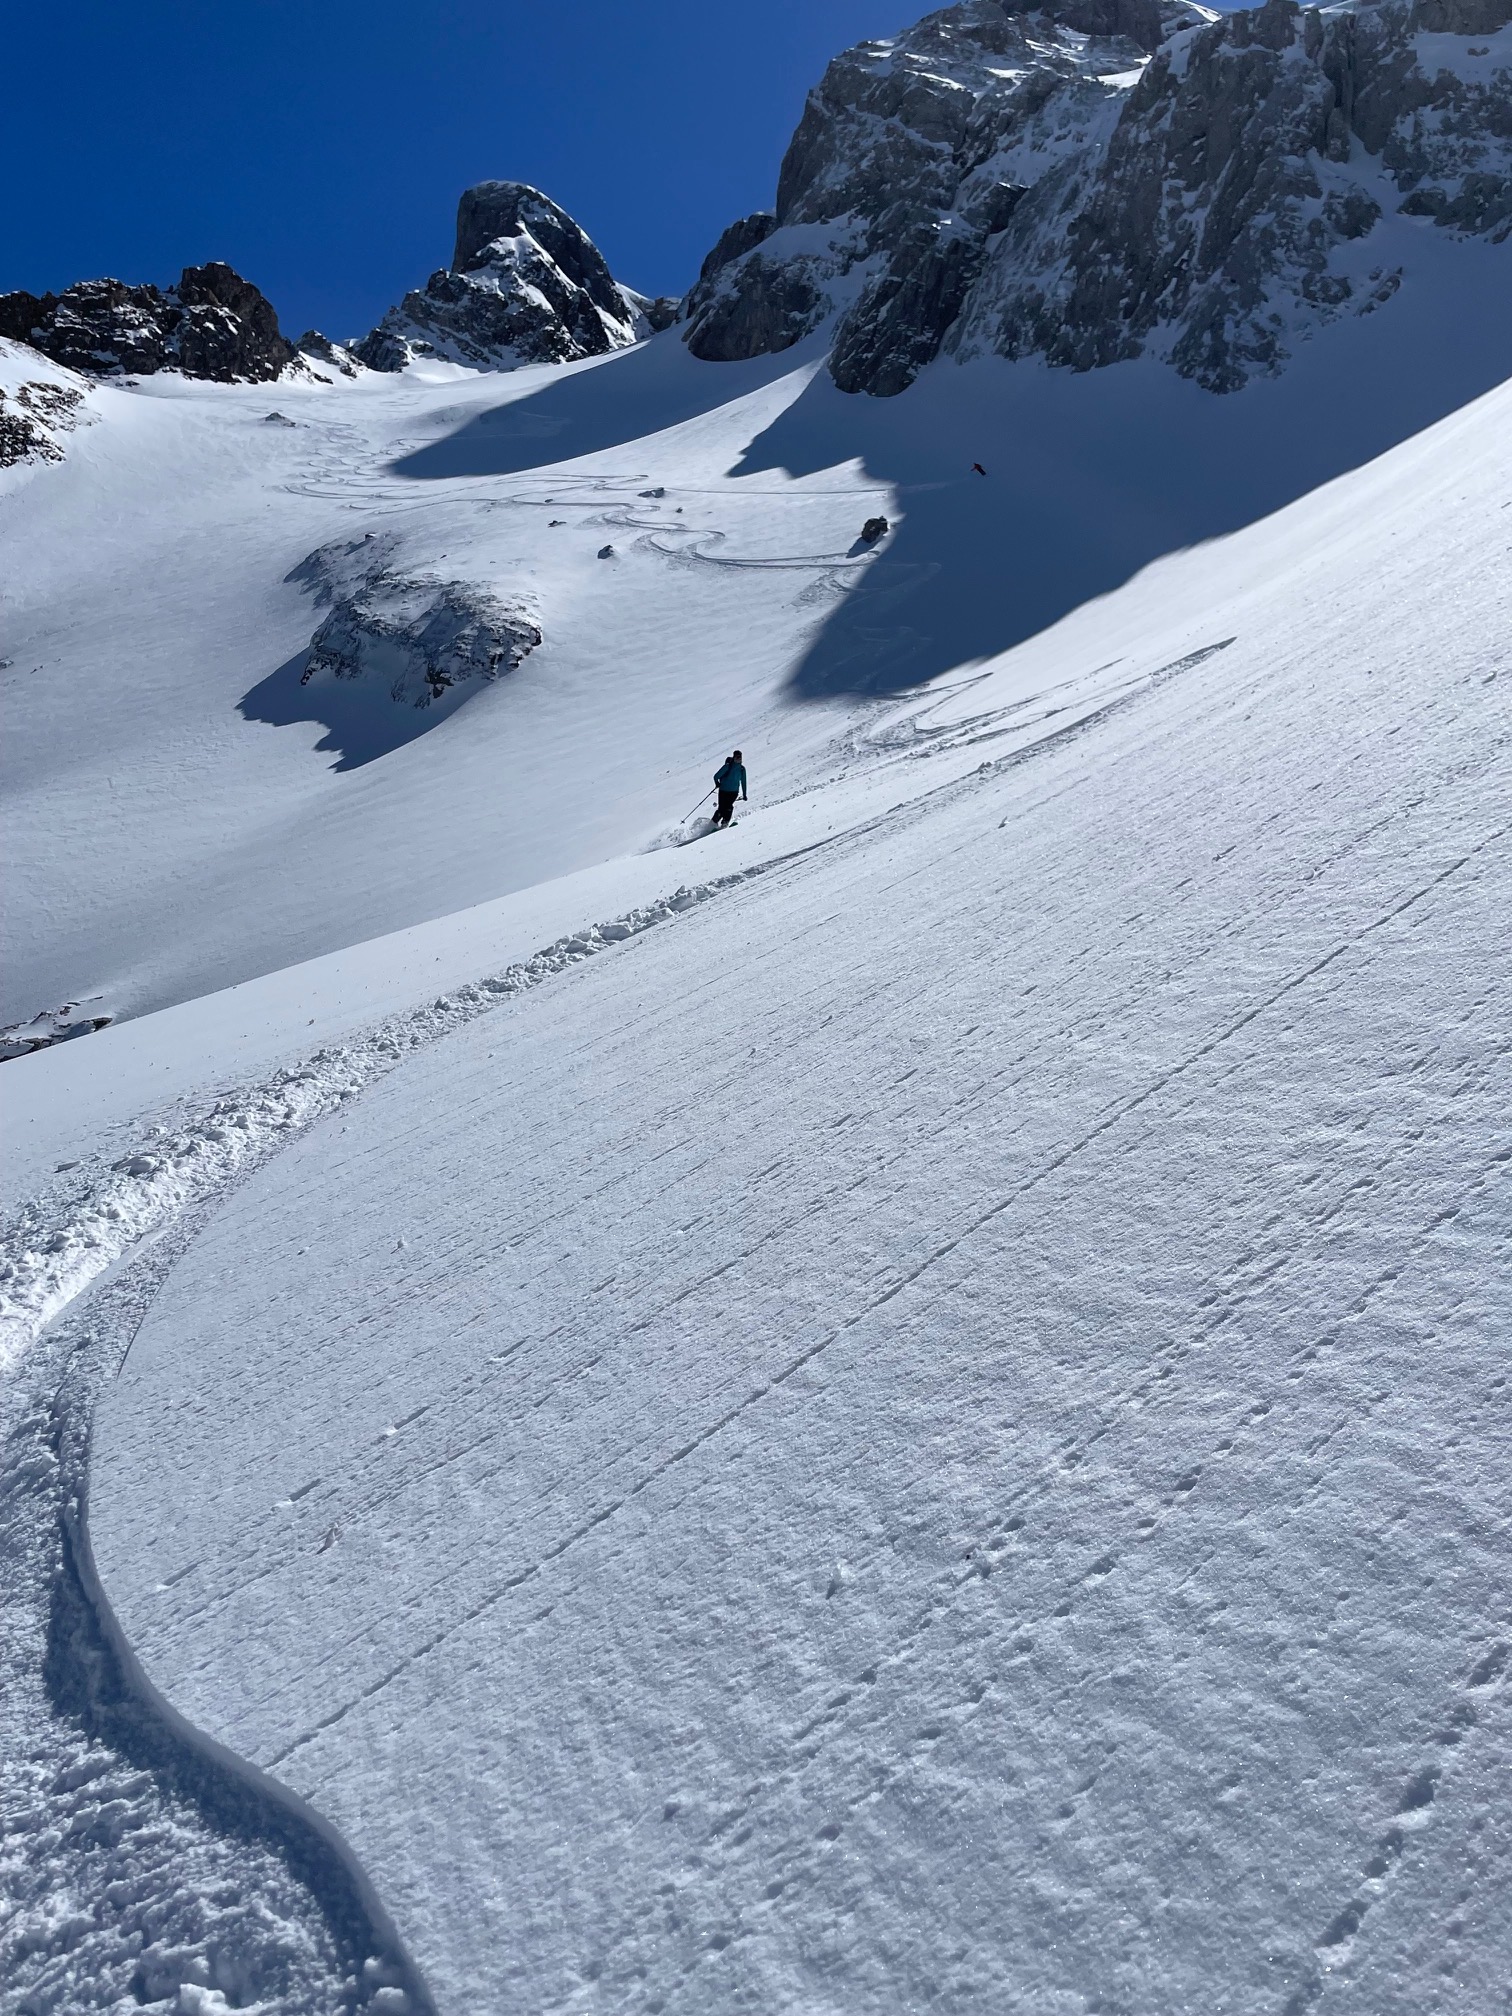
(1097, 178)
(911, 153)
(213, 324)
(337, 355)
(526, 285)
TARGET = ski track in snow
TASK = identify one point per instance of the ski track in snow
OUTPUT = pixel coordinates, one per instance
(131, 1864)
(1146, 1463)
(182, 1884)
(135, 1868)
(48, 1256)
(843, 1557)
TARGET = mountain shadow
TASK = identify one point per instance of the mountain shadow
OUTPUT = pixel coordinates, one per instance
(1091, 476)
(628, 396)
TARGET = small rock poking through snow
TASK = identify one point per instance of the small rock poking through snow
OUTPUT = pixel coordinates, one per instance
(53, 1025)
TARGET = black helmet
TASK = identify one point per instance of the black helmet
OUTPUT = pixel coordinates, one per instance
(736, 757)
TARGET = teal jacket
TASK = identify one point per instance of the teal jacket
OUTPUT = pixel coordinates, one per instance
(731, 777)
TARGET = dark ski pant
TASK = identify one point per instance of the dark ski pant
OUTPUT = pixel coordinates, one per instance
(725, 809)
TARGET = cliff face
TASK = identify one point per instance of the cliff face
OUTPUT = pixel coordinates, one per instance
(1236, 202)
(910, 155)
(526, 286)
(1099, 178)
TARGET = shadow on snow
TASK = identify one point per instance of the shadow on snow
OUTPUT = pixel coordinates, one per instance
(361, 722)
(611, 404)
(1090, 476)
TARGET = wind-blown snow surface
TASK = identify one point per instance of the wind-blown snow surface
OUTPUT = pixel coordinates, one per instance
(935, 1429)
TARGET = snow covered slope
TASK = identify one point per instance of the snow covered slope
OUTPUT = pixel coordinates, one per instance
(935, 1428)
(182, 813)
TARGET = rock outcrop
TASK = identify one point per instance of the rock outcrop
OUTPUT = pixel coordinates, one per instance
(32, 416)
(1237, 202)
(654, 312)
(910, 155)
(526, 285)
(335, 355)
(213, 324)
(415, 638)
(1094, 179)
(54, 1025)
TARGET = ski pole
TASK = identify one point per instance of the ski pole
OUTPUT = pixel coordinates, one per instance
(702, 801)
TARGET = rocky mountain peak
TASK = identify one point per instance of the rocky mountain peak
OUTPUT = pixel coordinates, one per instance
(910, 153)
(1091, 179)
(213, 324)
(1246, 193)
(526, 285)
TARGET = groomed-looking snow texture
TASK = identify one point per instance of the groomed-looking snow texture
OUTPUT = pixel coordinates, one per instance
(934, 1431)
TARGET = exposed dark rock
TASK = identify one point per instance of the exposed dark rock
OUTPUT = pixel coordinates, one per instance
(989, 206)
(654, 312)
(22, 440)
(910, 154)
(491, 211)
(22, 313)
(227, 329)
(1208, 228)
(32, 416)
(1099, 178)
(416, 637)
(213, 324)
(54, 1025)
(770, 307)
(1144, 22)
(900, 321)
(873, 530)
(743, 236)
(101, 326)
(313, 344)
(526, 286)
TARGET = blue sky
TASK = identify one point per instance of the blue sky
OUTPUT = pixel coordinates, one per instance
(321, 147)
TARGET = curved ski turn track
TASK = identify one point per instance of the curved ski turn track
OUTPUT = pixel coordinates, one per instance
(934, 1432)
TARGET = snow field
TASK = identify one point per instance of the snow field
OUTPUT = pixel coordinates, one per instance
(107, 1141)
(183, 817)
(184, 639)
(937, 1431)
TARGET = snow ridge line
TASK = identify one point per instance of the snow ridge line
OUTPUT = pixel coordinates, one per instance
(49, 1255)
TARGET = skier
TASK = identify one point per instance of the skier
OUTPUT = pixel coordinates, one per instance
(730, 783)
(979, 469)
